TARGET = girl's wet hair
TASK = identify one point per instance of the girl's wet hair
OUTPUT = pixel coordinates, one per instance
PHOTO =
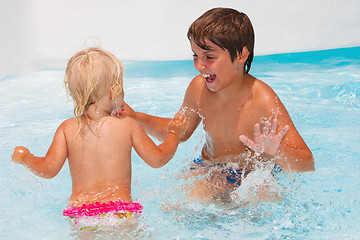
(227, 28)
(90, 75)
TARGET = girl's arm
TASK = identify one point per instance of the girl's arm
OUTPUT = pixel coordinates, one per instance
(158, 156)
(48, 166)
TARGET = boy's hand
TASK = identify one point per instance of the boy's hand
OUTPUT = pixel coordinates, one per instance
(178, 125)
(19, 154)
(125, 110)
(266, 141)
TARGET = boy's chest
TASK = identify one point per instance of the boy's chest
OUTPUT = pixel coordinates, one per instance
(229, 120)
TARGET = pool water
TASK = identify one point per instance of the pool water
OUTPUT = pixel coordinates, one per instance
(321, 91)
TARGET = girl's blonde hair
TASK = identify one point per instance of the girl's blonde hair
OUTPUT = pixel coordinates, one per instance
(90, 75)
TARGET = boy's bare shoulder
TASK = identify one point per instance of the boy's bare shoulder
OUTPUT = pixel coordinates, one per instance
(263, 93)
(196, 84)
(193, 92)
(261, 89)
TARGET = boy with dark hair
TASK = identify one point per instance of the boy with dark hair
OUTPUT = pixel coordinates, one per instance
(244, 120)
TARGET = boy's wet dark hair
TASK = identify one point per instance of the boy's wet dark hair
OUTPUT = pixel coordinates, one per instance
(227, 28)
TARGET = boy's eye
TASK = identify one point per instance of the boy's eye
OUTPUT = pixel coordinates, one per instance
(195, 56)
(210, 57)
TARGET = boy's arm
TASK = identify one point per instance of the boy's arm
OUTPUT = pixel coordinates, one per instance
(283, 143)
(158, 156)
(293, 154)
(48, 166)
(290, 157)
(155, 126)
(295, 159)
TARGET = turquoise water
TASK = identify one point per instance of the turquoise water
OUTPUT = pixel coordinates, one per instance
(321, 91)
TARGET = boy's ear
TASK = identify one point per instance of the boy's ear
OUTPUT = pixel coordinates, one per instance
(243, 56)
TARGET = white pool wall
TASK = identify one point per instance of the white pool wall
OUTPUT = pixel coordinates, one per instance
(39, 34)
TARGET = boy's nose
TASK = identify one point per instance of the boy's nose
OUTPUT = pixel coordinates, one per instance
(199, 65)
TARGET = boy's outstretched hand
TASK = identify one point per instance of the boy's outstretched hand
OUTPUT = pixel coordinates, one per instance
(178, 125)
(125, 110)
(265, 141)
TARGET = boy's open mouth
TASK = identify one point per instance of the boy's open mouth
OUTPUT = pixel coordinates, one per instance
(209, 77)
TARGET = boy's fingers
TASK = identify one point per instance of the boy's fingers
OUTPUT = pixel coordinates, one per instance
(247, 141)
(256, 130)
(274, 126)
(266, 128)
(243, 138)
(284, 131)
(250, 143)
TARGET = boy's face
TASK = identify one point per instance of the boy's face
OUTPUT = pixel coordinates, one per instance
(215, 66)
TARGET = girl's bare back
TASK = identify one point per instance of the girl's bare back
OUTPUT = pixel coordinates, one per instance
(99, 159)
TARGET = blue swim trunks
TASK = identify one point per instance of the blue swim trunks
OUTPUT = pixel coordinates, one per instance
(233, 176)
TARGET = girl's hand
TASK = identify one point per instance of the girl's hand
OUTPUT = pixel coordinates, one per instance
(265, 141)
(19, 154)
(178, 125)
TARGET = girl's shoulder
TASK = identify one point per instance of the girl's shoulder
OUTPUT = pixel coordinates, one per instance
(69, 123)
(120, 121)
